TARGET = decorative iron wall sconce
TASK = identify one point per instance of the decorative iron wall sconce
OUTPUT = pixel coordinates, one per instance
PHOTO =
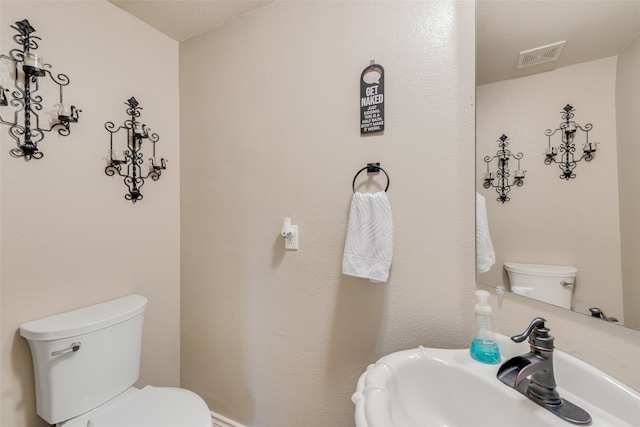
(567, 162)
(132, 158)
(502, 174)
(28, 68)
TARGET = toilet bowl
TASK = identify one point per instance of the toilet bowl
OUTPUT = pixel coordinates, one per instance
(552, 284)
(86, 362)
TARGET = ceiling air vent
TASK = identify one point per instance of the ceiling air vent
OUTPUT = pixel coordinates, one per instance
(539, 55)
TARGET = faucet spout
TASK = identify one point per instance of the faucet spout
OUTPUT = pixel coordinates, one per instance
(532, 375)
(514, 370)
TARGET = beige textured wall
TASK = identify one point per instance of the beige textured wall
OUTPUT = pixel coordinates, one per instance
(550, 220)
(270, 128)
(69, 238)
(628, 111)
(270, 338)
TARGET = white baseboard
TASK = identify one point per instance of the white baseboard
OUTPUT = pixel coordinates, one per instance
(220, 421)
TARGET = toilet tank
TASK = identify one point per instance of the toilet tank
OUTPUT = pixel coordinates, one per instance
(552, 284)
(108, 338)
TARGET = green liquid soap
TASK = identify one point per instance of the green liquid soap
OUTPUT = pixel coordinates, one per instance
(485, 351)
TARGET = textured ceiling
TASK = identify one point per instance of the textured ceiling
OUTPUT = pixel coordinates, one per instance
(593, 29)
(183, 19)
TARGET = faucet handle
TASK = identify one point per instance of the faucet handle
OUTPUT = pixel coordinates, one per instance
(596, 312)
(538, 335)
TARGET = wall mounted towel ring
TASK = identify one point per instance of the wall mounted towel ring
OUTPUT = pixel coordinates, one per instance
(371, 167)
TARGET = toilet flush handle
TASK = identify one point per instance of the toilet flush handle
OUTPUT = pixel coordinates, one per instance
(73, 347)
(565, 284)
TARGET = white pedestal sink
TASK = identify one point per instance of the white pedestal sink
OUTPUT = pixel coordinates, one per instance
(431, 387)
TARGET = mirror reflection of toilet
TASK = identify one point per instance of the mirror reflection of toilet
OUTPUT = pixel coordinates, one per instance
(552, 284)
(85, 364)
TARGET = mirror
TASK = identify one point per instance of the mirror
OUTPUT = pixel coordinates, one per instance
(592, 221)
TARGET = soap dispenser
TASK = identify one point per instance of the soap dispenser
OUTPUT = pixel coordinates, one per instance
(484, 347)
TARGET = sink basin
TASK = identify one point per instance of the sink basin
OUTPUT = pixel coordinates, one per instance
(432, 387)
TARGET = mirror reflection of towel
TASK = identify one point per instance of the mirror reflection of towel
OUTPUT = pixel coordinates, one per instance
(485, 256)
(368, 247)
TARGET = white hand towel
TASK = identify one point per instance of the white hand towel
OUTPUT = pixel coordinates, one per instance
(369, 245)
(485, 256)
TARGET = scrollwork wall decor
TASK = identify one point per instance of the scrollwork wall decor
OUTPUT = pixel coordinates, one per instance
(27, 127)
(567, 148)
(128, 163)
(500, 178)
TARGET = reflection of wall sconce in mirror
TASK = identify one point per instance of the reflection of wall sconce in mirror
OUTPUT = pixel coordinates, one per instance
(132, 157)
(568, 129)
(500, 178)
(28, 67)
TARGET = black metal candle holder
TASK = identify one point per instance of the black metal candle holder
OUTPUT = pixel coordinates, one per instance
(502, 174)
(28, 69)
(568, 129)
(129, 163)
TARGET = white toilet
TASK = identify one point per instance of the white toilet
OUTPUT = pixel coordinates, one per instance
(85, 364)
(552, 284)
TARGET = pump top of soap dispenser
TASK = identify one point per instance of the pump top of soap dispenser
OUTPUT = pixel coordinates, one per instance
(482, 307)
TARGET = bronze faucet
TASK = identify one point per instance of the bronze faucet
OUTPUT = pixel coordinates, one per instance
(532, 374)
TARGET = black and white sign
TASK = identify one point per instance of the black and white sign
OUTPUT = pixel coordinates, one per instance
(372, 99)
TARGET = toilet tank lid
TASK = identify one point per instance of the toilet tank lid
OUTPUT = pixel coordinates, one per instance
(541, 269)
(84, 320)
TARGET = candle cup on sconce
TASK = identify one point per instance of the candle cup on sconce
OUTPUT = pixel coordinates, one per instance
(568, 127)
(33, 64)
(551, 152)
(590, 147)
(64, 112)
(488, 177)
(157, 167)
(140, 130)
(67, 113)
(117, 157)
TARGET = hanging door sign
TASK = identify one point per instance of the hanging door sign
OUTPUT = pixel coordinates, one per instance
(372, 99)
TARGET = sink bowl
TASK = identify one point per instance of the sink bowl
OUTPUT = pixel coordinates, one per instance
(432, 387)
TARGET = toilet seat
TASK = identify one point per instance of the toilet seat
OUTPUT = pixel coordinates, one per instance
(149, 407)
